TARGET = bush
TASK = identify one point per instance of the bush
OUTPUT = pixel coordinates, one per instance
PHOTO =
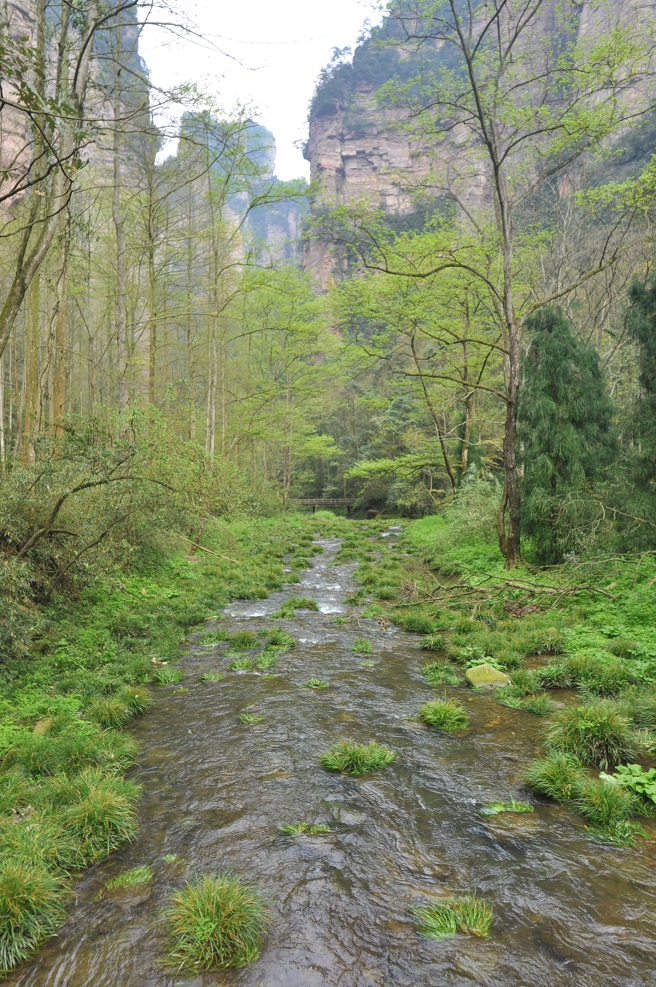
(216, 922)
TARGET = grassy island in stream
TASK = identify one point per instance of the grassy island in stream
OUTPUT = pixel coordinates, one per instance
(91, 665)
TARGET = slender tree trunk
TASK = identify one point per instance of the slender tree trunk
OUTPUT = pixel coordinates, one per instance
(32, 402)
(118, 219)
(61, 331)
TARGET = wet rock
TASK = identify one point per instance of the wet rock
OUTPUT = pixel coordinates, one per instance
(486, 677)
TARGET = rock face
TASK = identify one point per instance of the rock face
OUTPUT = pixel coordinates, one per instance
(486, 677)
(358, 149)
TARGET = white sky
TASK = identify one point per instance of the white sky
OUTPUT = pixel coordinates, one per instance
(278, 48)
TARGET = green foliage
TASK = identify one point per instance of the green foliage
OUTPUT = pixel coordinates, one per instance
(102, 818)
(440, 673)
(356, 759)
(595, 733)
(167, 675)
(31, 909)
(216, 922)
(289, 607)
(280, 639)
(130, 879)
(635, 778)
(305, 829)
(315, 684)
(241, 665)
(362, 647)
(212, 677)
(566, 436)
(608, 807)
(446, 714)
(556, 776)
(434, 642)
(446, 917)
(243, 641)
(497, 808)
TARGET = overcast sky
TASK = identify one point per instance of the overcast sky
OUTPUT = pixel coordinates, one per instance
(274, 51)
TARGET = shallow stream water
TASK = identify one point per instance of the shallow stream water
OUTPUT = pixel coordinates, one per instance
(568, 911)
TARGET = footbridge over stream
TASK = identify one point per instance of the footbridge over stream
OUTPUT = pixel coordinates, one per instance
(327, 503)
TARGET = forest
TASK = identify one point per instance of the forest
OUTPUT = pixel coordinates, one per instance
(450, 331)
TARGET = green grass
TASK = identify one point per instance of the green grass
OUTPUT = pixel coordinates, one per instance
(250, 719)
(280, 640)
(304, 829)
(447, 917)
(362, 647)
(243, 641)
(241, 665)
(167, 675)
(289, 607)
(556, 776)
(440, 673)
(32, 906)
(315, 684)
(216, 922)
(212, 677)
(355, 759)
(608, 808)
(134, 878)
(446, 714)
(538, 705)
(596, 733)
(267, 659)
(434, 642)
(515, 805)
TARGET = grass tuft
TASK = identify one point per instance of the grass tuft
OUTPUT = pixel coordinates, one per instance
(356, 759)
(216, 922)
(496, 808)
(556, 776)
(304, 829)
(250, 719)
(130, 879)
(433, 642)
(446, 714)
(362, 647)
(315, 684)
(445, 918)
(596, 733)
(440, 673)
(167, 675)
(212, 677)
(289, 607)
(31, 909)
(242, 665)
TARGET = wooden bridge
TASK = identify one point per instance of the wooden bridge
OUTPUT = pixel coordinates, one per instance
(319, 503)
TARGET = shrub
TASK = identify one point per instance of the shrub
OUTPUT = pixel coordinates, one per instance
(31, 909)
(556, 776)
(445, 918)
(356, 759)
(216, 922)
(596, 734)
(446, 714)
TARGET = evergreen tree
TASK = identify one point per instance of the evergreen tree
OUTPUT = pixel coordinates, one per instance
(566, 435)
(641, 324)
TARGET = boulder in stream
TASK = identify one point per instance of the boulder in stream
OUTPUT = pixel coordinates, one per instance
(486, 676)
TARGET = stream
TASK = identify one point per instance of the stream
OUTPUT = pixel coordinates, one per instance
(568, 910)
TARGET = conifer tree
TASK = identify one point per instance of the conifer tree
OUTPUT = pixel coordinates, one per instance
(566, 433)
(641, 324)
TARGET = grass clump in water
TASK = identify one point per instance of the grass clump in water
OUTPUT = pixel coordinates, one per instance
(362, 647)
(101, 818)
(250, 719)
(31, 909)
(167, 675)
(556, 776)
(305, 829)
(608, 808)
(315, 684)
(446, 714)
(280, 640)
(241, 665)
(538, 705)
(243, 641)
(433, 642)
(356, 759)
(515, 805)
(216, 922)
(266, 660)
(415, 623)
(212, 677)
(440, 673)
(130, 879)
(443, 919)
(596, 733)
(289, 607)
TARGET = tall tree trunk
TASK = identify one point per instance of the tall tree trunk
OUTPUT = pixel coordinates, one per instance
(32, 400)
(61, 330)
(118, 219)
